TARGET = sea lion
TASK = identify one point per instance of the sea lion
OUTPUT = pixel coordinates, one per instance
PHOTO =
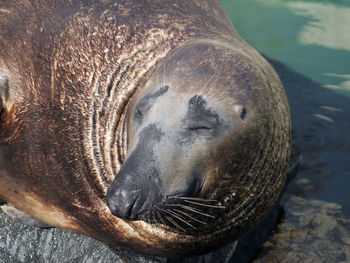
(147, 125)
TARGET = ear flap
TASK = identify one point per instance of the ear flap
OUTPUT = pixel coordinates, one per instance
(5, 101)
(4, 90)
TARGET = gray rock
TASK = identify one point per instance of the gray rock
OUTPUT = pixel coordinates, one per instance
(311, 231)
(22, 243)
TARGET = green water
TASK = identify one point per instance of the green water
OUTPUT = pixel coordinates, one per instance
(312, 37)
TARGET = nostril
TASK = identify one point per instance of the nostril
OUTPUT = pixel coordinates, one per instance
(132, 212)
(123, 203)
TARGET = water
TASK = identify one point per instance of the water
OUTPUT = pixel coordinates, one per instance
(312, 37)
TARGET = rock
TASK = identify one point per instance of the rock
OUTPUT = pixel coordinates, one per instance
(310, 231)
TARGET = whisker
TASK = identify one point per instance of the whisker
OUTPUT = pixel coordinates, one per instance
(193, 198)
(200, 100)
(206, 205)
(209, 79)
(154, 218)
(160, 217)
(174, 223)
(174, 205)
(195, 211)
(174, 196)
(180, 218)
(194, 219)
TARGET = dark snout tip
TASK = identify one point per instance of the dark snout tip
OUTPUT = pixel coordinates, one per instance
(122, 203)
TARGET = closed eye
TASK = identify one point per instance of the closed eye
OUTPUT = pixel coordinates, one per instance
(199, 127)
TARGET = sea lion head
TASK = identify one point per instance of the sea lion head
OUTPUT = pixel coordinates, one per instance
(202, 138)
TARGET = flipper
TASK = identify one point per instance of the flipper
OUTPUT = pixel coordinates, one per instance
(15, 213)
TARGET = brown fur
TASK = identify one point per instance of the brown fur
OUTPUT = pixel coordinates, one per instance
(72, 67)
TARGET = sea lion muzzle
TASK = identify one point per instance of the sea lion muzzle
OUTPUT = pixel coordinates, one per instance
(137, 186)
(138, 190)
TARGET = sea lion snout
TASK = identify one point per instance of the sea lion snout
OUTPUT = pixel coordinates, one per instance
(135, 191)
(123, 201)
(128, 200)
(137, 187)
